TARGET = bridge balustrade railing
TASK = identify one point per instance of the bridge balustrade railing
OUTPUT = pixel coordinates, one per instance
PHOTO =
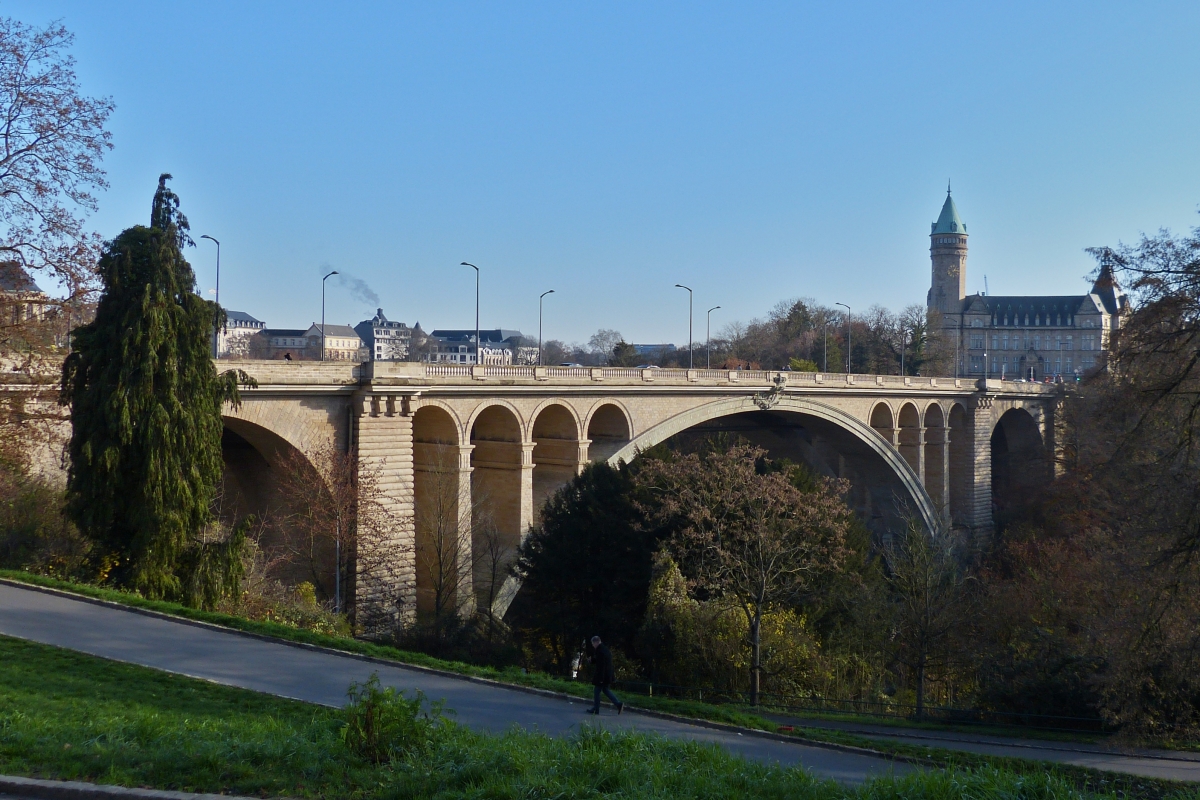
(505, 371)
(447, 370)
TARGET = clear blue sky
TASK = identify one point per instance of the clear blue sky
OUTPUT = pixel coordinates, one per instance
(609, 151)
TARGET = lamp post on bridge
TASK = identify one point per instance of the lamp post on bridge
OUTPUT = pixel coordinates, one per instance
(478, 344)
(327, 277)
(708, 339)
(218, 244)
(543, 294)
(689, 291)
(849, 333)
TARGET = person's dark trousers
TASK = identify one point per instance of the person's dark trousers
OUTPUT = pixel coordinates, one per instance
(611, 696)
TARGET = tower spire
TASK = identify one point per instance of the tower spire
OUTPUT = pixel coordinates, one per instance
(947, 187)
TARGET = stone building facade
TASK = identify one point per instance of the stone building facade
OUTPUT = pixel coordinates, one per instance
(385, 339)
(1037, 337)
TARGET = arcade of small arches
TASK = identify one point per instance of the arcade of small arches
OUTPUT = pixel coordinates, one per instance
(466, 473)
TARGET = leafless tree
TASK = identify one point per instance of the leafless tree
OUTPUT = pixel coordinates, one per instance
(602, 343)
(445, 513)
(493, 560)
(929, 585)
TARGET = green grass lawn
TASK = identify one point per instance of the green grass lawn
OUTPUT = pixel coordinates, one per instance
(72, 716)
(1085, 780)
(727, 713)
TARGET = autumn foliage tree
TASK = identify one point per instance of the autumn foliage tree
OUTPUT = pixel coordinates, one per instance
(52, 141)
(745, 534)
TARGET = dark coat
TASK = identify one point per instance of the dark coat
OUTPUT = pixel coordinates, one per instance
(602, 672)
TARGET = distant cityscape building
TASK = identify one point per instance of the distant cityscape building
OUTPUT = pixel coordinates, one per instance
(499, 346)
(236, 337)
(287, 343)
(342, 343)
(385, 340)
(652, 349)
(21, 300)
(295, 344)
(1030, 336)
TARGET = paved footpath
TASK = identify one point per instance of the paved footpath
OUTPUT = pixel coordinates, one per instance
(320, 677)
(1169, 764)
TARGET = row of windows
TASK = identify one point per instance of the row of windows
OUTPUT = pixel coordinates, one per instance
(1001, 365)
(1017, 342)
(949, 240)
(1034, 320)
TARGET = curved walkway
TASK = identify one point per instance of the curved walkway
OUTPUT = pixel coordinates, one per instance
(321, 677)
(314, 676)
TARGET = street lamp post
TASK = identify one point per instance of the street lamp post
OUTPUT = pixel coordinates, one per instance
(903, 348)
(689, 291)
(478, 344)
(708, 339)
(849, 344)
(218, 244)
(327, 277)
(543, 294)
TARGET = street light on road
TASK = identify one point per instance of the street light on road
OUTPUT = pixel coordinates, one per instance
(327, 277)
(540, 296)
(478, 344)
(218, 244)
(708, 339)
(689, 291)
(849, 346)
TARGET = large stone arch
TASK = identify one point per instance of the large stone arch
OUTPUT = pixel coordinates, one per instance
(256, 459)
(868, 438)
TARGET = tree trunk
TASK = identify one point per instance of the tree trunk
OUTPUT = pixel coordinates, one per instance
(755, 658)
(921, 689)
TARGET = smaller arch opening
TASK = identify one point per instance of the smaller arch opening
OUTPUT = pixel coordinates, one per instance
(910, 437)
(937, 456)
(1019, 464)
(442, 511)
(499, 518)
(609, 431)
(882, 423)
(556, 452)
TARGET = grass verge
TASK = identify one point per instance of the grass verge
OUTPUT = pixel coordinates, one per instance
(67, 715)
(1082, 779)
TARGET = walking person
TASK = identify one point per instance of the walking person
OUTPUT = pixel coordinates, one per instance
(603, 675)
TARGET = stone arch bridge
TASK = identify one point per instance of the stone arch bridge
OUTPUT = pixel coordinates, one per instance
(464, 456)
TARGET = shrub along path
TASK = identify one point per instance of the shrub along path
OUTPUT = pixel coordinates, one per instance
(320, 677)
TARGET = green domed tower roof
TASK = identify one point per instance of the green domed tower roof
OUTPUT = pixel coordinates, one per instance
(949, 221)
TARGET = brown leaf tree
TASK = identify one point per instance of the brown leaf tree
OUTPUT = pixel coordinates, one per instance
(743, 533)
(52, 140)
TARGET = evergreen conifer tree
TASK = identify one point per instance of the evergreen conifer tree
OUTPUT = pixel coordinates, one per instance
(145, 397)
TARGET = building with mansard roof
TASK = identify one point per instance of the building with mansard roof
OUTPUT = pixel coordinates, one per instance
(1031, 337)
